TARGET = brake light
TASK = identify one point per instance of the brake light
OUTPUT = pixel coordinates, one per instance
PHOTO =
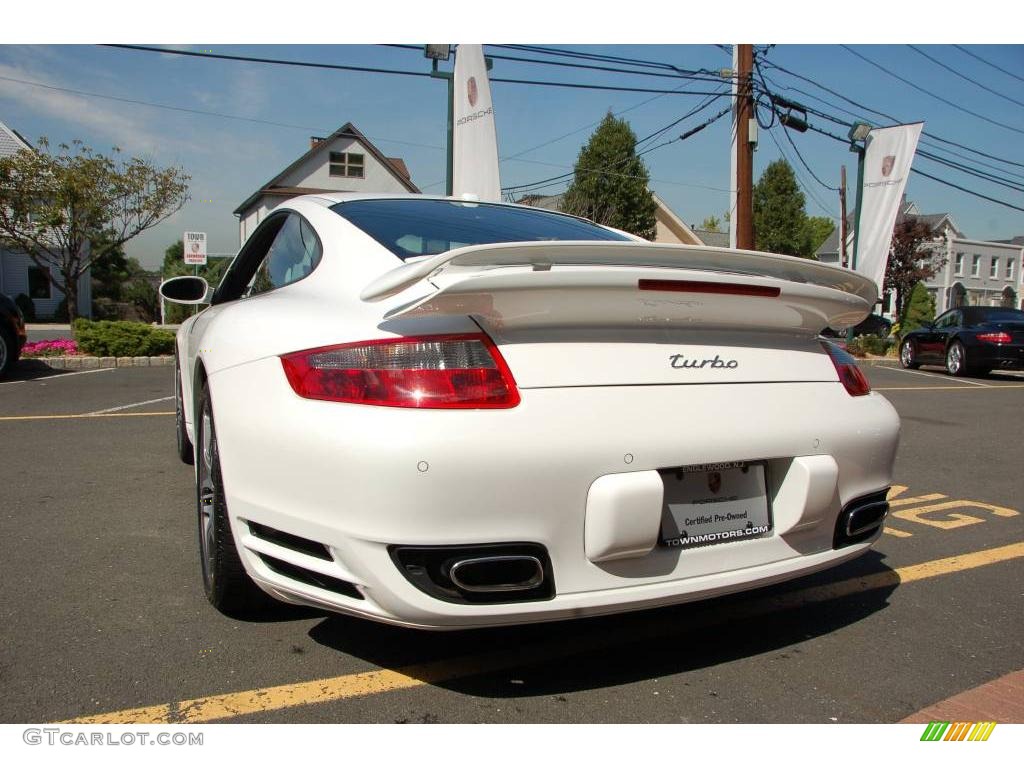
(1001, 337)
(849, 372)
(452, 371)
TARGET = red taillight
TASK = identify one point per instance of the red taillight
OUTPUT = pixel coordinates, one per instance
(453, 371)
(1001, 337)
(849, 373)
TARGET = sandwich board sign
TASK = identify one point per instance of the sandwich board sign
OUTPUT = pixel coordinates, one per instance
(195, 247)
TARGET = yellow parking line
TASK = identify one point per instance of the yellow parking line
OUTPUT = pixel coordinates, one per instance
(223, 706)
(85, 416)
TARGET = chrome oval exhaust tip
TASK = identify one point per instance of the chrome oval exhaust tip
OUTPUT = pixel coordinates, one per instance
(499, 573)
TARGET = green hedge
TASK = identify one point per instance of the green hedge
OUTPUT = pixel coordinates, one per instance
(119, 338)
(869, 345)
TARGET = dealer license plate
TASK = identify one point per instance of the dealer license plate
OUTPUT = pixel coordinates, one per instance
(709, 504)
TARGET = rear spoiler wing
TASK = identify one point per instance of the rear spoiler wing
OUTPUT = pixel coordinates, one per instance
(522, 286)
(543, 255)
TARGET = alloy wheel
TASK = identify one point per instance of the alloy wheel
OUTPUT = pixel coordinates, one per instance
(955, 358)
(207, 494)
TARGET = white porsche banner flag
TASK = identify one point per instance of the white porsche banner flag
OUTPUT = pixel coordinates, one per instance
(887, 160)
(475, 154)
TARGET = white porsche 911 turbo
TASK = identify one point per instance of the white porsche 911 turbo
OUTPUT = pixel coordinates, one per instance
(448, 414)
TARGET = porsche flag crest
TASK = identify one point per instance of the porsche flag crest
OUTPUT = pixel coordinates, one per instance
(887, 160)
(475, 152)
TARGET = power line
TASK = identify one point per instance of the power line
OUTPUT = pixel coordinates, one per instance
(608, 58)
(964, 189)
(696, 110)
(1008, 183)
(681, 74)
(408, 73)
(929, 93)
(971, 192)
(973, 171)
(804, 186)
(776, 112)
(888, 117)
(923, 141)
(986, 61)
(171, 107)
(582, 128)
(963, 76)
(551, 181)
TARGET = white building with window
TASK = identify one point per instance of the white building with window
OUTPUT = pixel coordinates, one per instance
(19, 274)
(978, 272)
(974, 272)
(345, 161)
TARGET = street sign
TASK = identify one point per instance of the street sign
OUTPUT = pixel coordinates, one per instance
(195, 247)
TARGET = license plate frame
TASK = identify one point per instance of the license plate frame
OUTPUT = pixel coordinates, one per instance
(687, 500)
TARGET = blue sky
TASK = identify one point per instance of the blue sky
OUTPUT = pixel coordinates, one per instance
(228, 159)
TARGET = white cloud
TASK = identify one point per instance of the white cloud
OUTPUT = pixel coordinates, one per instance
(120, 123)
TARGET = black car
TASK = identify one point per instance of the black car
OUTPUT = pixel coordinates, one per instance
(872, 325)
(968, 341)
(12, 334)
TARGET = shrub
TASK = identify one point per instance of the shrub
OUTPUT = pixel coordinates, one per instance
(113, 338)
(920, 309)
(27, 307)
(868, 345)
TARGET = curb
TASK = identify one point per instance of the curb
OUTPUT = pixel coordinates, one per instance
(84, 363)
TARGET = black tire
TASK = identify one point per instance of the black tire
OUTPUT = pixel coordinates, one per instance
(8, 351)
(185, 450)
(228, 587)
(908, 355)
(956, 360)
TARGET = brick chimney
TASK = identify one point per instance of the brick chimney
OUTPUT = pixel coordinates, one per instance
(314, 140)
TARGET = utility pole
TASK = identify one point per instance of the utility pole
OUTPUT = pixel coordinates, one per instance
(743, 115)
(842, 213)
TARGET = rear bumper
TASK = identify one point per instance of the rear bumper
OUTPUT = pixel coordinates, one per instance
(360, 479)
(997, 356)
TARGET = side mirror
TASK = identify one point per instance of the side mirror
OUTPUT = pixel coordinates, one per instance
(186, 290)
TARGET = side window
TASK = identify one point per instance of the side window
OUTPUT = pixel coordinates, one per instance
(949, 320)
(294, 253)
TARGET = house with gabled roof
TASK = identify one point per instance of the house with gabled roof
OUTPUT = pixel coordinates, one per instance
(668, 227)
(345, 161)
(19, 274)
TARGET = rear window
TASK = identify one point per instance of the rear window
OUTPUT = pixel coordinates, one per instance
(410, 228)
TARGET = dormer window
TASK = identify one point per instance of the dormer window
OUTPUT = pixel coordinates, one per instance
(348, 164)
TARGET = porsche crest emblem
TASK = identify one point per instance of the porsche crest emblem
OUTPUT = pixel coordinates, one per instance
(887, 163)
(714, 481)
(471, 91)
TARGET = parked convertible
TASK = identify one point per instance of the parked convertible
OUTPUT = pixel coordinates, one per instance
(968, 341)
(448, 414)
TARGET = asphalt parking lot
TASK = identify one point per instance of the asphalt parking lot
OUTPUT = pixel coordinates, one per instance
(104, 617)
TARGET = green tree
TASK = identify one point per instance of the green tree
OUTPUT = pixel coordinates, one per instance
(780, 222)
(110, 271)
(711, 224)
(909, 261)
(610, 182)
(818, 230)
(67, 209)
(920, 309)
